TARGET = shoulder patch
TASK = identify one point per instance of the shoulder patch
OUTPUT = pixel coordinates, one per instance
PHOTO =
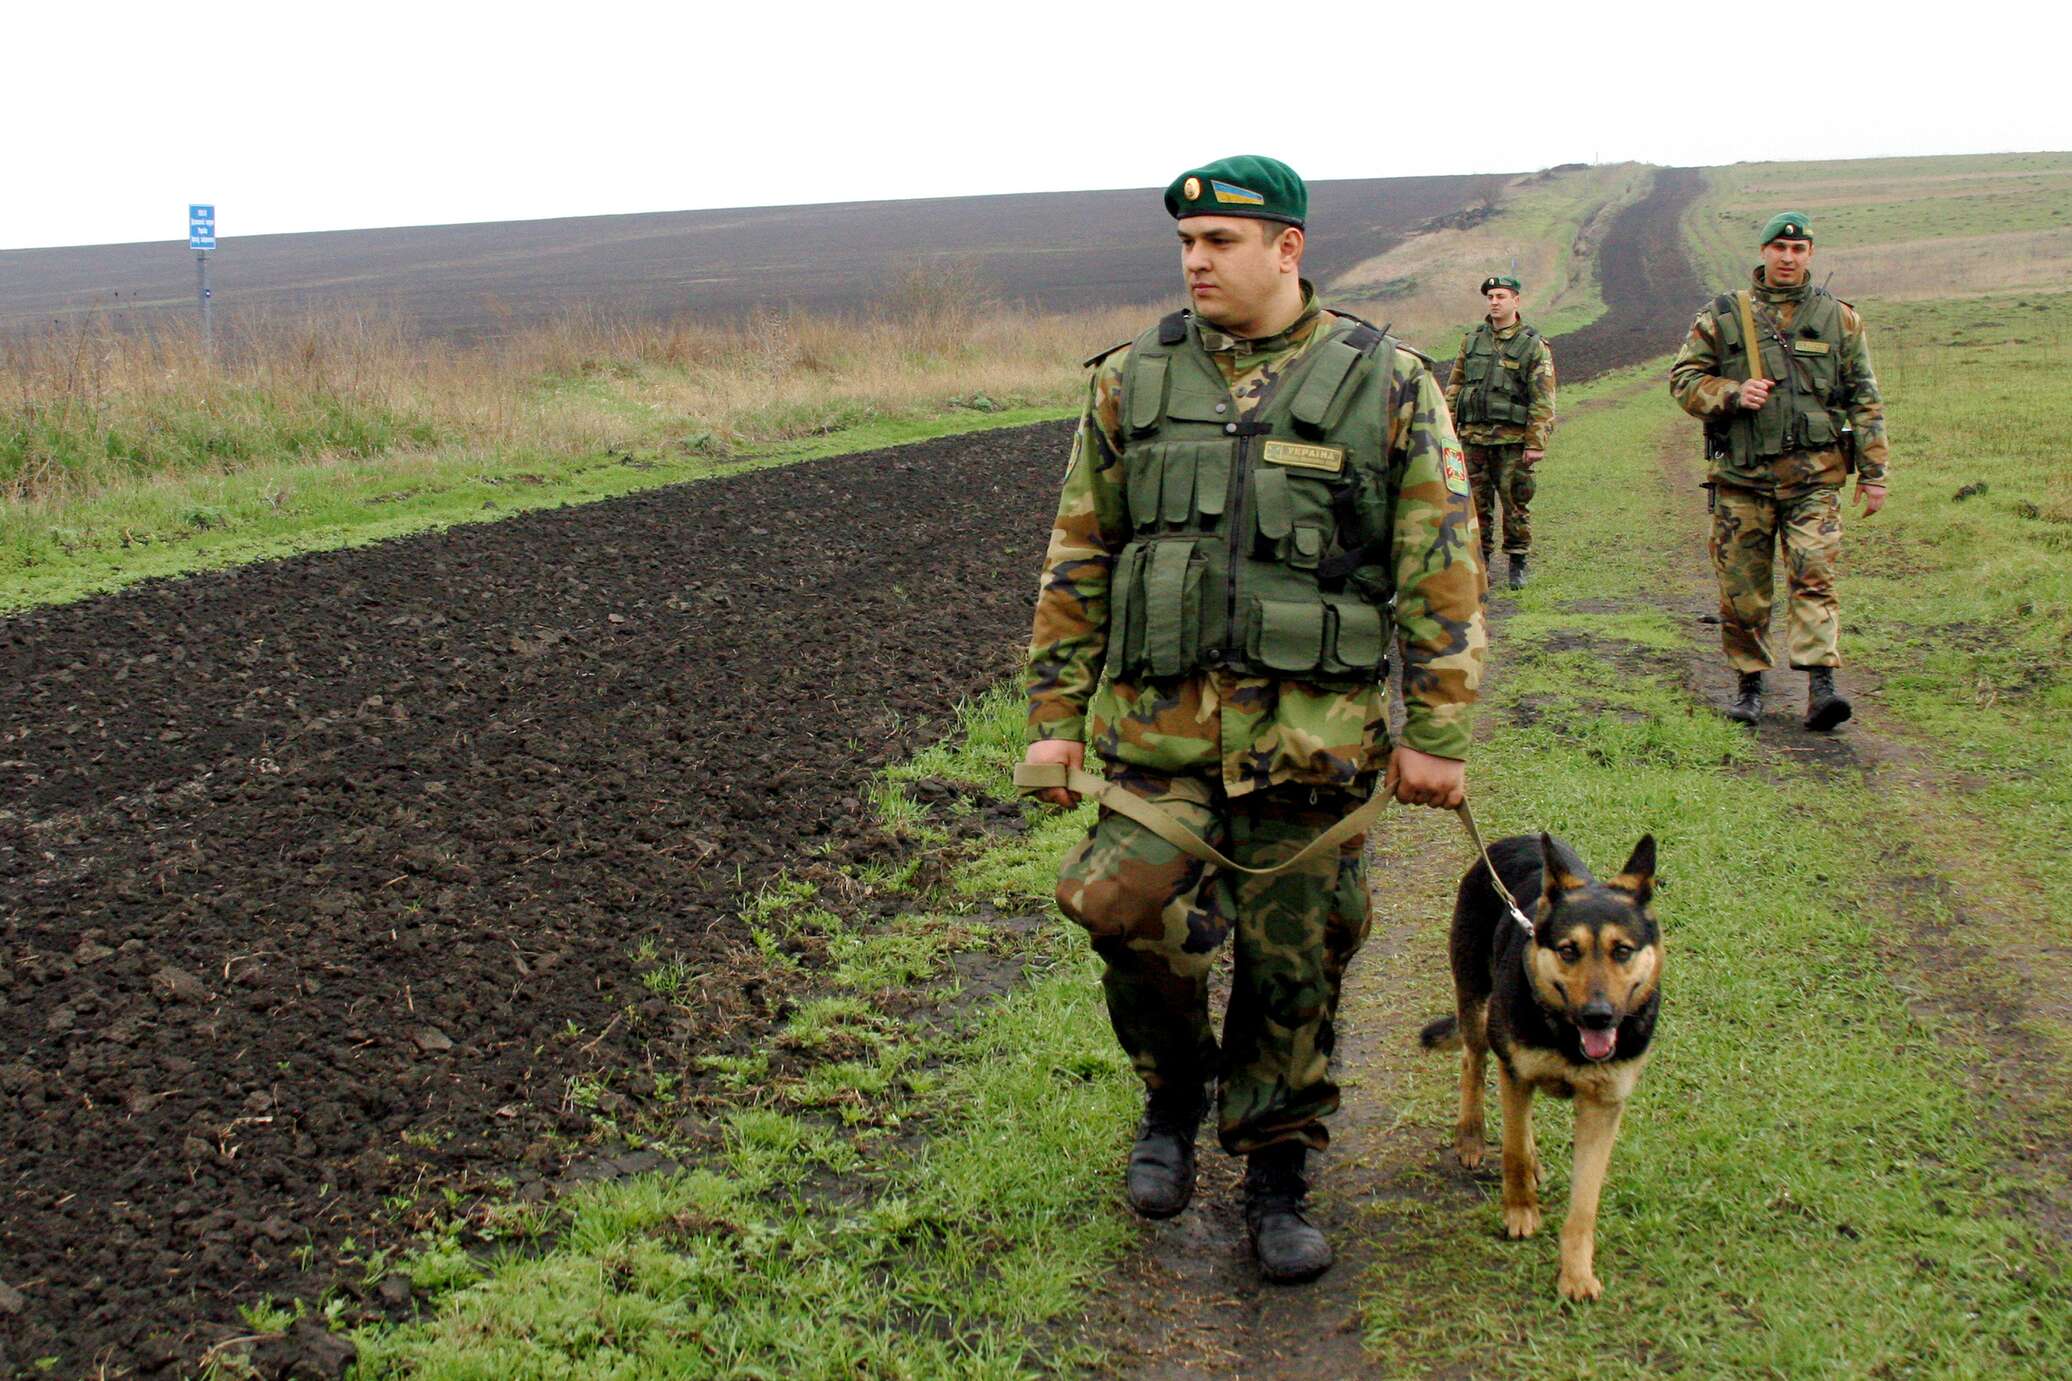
(1091, 360)
(1455, 466)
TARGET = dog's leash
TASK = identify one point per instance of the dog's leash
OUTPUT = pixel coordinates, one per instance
(1044, 776)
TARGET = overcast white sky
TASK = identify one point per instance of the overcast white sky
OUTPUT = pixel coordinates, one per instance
(328, 116)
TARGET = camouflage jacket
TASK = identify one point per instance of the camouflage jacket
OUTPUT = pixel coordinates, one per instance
(1252, 731)
(1697, 385)
(1535, 434)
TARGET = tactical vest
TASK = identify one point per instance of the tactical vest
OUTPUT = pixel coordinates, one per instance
(1496, 377)
(1801, 413)
(1245, 531)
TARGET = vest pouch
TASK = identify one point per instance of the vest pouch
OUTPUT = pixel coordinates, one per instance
(1126, 609)
(1144, 480)
(1359, 642)
(1287, 635)
(1172, 608)
(1818, 364)
(1815, 430)
(1273, 508)
(1307, 549)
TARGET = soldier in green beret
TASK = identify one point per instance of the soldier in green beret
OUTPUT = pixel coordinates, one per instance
(1261, 492)
(1785, 419)
(1501, 394)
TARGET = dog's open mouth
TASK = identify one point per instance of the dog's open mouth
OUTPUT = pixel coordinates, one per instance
(1598, 1045)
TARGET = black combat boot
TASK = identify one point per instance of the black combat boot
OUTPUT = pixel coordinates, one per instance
(1825, 707)
(1161, 1173)
(1290, 1248)
(1748, 699)
(1518, 571)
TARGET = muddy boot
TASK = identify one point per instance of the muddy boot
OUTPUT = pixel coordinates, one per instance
(1518, 571)
(1825, 707)
(1161, 1174)
(1290, 1248)
(1748, 699)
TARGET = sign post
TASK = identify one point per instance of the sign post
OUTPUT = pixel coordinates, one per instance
(201, 238)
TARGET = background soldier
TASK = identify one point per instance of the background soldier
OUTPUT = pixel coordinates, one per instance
(1501, 394)
(1250, 485)
(1781, 432)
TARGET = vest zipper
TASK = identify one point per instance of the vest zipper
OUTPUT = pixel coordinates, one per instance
(1234, 504)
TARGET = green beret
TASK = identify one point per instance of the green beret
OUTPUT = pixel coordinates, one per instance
(1787, 225)
(1248, 185)
(1500, 280)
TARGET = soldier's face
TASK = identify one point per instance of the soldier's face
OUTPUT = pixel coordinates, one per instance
(1785, 262)
(1236, 267)
(1503, 305)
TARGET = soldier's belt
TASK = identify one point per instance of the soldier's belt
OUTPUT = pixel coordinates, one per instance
(1044, 776)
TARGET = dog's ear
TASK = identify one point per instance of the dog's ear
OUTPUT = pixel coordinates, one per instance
(1638, 876)
(1555, 878)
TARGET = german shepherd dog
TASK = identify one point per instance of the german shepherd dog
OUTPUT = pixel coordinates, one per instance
(1568, 1007)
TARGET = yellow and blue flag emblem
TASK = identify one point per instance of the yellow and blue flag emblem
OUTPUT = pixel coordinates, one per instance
(1235, 196)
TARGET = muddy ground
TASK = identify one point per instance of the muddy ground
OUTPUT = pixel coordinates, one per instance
(318, 879)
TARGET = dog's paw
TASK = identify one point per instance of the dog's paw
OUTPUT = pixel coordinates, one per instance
(1580, 1286)
(1470, 1151)
(1521, 1220)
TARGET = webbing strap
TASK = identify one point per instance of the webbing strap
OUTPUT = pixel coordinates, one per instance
(1750, 341)
(1043, 776)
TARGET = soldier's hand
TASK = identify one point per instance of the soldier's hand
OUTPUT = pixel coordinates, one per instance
(1533, 457)
(1057, 750)
(1419, 779)
(1870, 497)
(1754, 393)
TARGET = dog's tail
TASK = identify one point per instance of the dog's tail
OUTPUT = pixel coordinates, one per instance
(1440, 1034)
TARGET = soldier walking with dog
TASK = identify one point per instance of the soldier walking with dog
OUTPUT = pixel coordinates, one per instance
(1252, 484)
(1784, 424)
(1501, 395)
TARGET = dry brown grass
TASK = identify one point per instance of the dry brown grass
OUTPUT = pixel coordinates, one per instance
(88, 408)
(1955, 266)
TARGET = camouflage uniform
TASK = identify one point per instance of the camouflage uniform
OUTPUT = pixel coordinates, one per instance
(1495, 451)
(1791, 500)
(1257, 764)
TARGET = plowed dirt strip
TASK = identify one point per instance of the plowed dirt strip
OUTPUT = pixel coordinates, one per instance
(307, 871)
(1650, 289)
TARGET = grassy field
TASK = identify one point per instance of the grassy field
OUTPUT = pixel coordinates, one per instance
(1803, 1188)
(1901, 227)
(1549, 223)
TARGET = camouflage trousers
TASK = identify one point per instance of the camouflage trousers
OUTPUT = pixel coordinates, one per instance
(1748, 528)
(1500, 472)
(1157, 919)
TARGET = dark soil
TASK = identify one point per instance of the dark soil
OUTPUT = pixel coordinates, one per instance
(309, 871)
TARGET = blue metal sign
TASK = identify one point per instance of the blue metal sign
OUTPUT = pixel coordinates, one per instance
(201, 225)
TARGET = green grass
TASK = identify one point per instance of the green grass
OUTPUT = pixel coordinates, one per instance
(1869, 202)
(279, 505)
(1806, 1184)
